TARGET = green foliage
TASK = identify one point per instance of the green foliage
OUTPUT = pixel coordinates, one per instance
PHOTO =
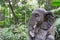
(57, 24)
(55, 3)
(19, 33)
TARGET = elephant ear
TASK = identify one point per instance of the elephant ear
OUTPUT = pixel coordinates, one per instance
(49, 13)
(48, 20)
(49, 16)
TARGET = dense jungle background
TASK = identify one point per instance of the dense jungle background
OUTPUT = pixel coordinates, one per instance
(15, 14)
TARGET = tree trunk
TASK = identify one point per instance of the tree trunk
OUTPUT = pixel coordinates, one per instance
(15, 17)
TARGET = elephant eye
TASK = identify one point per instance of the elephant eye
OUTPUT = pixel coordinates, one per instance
(36, 15)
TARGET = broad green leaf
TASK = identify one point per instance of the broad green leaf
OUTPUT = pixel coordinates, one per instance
(55, 3)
